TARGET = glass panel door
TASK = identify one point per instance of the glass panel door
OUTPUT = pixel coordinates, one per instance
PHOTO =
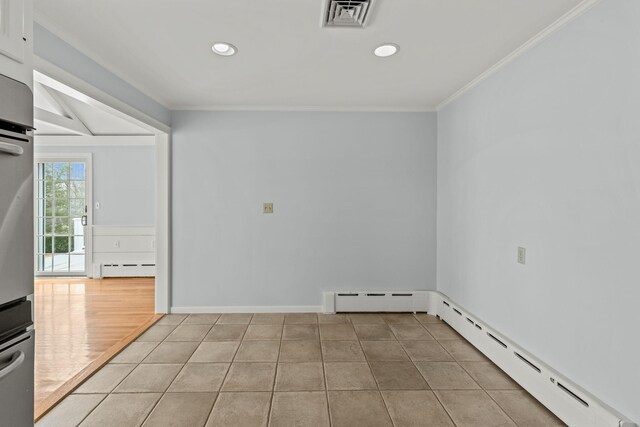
(61, 209)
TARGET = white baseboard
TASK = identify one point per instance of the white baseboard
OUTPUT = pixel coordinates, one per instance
(250, 309)
(572, 404)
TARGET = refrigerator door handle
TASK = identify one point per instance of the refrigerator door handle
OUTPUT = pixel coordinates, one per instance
(6, 147)
(14, 363)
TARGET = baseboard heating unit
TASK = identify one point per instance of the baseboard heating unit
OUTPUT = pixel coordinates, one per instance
(569, 402)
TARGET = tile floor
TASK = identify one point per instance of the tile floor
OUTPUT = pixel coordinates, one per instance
(300, 370)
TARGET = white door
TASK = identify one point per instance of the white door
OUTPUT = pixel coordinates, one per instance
(62, 215)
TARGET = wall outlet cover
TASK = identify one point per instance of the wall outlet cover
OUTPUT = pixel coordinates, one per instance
(522, 255)
(267, 208)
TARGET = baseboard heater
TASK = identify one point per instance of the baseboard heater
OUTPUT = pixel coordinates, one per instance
(568, 401)
(128, 270)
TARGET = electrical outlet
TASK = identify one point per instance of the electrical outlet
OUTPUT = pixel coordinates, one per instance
(267, 208)
(522, 255)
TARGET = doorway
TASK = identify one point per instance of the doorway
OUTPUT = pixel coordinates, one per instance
(62, 214)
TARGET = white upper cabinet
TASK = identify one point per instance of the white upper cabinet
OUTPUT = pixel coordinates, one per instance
(12, 34)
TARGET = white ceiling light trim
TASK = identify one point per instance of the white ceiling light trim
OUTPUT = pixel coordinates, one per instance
(224, 49)
(386, 50)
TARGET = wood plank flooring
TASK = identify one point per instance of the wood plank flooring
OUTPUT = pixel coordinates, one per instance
(80, 324)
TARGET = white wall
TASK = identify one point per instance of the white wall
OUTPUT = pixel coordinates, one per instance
(354, 201)
(123, 179)
(546, 155)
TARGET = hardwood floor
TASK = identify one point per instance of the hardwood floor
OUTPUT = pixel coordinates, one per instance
(80, 324)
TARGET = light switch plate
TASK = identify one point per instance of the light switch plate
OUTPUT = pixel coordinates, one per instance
(522, 255)
(267, 208)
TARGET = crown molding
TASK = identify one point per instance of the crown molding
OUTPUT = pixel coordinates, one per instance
(532, 42)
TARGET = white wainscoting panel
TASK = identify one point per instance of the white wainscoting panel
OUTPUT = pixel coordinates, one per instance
(124, 251)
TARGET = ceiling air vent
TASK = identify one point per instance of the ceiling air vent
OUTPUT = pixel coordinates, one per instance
(347, 13)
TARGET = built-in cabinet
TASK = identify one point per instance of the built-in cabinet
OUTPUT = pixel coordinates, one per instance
(16, 39)
(12, 34)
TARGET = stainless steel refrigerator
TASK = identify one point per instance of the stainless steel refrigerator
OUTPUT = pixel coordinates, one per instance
(16, 254)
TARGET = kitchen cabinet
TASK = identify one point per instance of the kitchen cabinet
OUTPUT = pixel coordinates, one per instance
(12, 34)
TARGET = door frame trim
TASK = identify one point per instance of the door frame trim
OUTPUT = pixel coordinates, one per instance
(87, 158)
(162, 133)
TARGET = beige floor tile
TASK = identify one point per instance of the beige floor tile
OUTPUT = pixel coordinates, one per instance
(446, 376)
(342, 351)
(442, 331)
(300, 332)
(71, 411)
(349, 376)
(200, 377)
(365, 318)
(402, 318)
(189, 333)
(299, 409)
(426, 351)
(405, 331)
(384, 351)
(258, 351)
(118, 410)
(106, 379)
(156, 333)
(462, 351)
(235, 319)
(215, 351)
(181, 410)
(337, 332)
(358, 408)
(416, 409)
(426, 318)
(263, 332)
(489, 376)
(250, 377)
(149, 379)
(398, 376)
(226, 333)
(240, 410)
(473, 408)
(201, 319)
(171, 319)
(268, 319)
(300, 351)
(306, 376)
(524, 409)
(171, 352)
(135, 352)
(332, 318)
(374, 332)
(301, 319)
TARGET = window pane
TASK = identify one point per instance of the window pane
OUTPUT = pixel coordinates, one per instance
(40, 169)
(48, 244)
(48, 170)
(62, 207)
(48, 207)
(76, 208)
(61, 171)
(77, 189)
(45, 262)
(47, 189)
(77, 262)
(61, 263)
(61, 226)
(77, 171)
(61, 245)
(62, 190)
(77, 245)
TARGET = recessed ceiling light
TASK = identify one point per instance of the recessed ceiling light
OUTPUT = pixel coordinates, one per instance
(224, 49)
(385, 50)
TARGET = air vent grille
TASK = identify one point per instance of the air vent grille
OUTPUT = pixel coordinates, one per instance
(347, 13)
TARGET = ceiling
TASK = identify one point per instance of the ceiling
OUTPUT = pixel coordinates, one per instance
(57, 113)
(286, 60)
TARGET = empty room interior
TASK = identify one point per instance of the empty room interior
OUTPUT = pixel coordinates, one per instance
(289, 213)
